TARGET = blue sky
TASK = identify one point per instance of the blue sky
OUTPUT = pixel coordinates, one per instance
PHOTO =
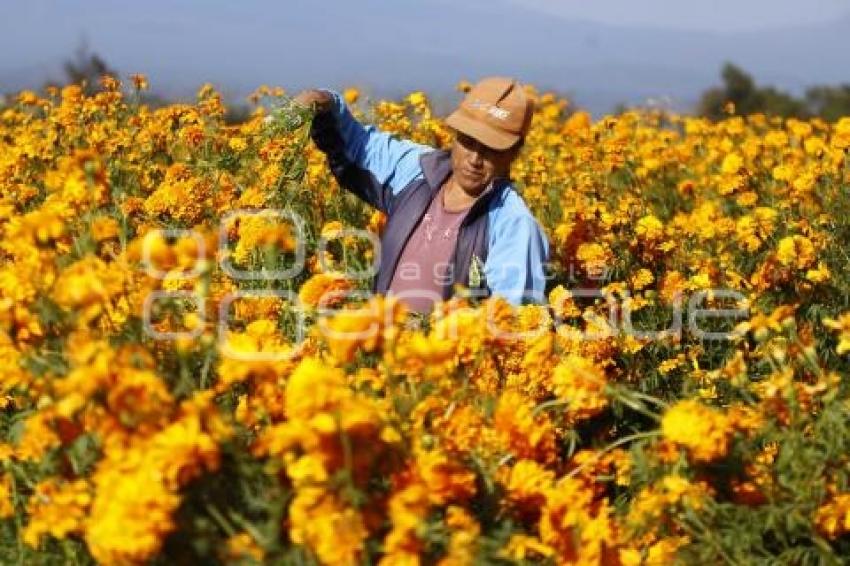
(597, 52)
(717, 15)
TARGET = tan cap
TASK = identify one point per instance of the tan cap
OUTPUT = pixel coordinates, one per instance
(496, 111)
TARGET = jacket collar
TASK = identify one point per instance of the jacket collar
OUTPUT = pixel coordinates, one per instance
(436, 167)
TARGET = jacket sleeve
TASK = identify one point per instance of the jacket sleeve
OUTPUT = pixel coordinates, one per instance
(515, 262)
(372, 164)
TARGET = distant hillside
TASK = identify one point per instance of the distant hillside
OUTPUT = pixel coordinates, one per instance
(426, 45)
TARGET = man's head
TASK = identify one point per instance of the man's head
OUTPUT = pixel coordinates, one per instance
(491, 124)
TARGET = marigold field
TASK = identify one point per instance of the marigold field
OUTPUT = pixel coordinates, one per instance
(168, 397)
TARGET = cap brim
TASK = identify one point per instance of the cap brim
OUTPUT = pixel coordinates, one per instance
(481, 131)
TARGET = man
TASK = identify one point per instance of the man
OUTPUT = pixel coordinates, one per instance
(453, 217)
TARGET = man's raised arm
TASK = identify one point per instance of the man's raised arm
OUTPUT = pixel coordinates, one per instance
(372, 164)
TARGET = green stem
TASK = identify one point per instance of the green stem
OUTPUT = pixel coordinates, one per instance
(548, 405)
(219, 519)
(624, 396)
(249, 528)
(612, 446)
(649, 398)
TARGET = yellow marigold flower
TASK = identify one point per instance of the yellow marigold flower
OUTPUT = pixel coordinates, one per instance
(577, 123)
(842, 325)
(56, 509)
(841, 135)
(562, 303)
(747, 199)
(732, 164)
(324, 290)
(334, 531)
(641, 278)
(237, 144)
(762, 325)
(417, 98)
(27, 98)
(783, 172)
(664, 551)
(138, 396)
(445, 478)
(39, 437)
(797, 251)
(431, 355)
(805, 182)
(595, 258)
(408, 509)
(650, 228)
(526, 483)
(140, 82)
(525, 547)
(314, 387)
(820, 274)
(463, 430)
(104, 228)
(7, 509)
(747, 233)
(351, 95)
(257, 231)
(331, 229)
(667, 366)
(242, 547)
(575, 523)
(520, 431)
(673, 286)
(581, 383)
(799, 128)
(43, 226)
(377, 221)
(655, 501)
(705, 432)
(130, 515)
(137, 486)
(765, 219)
(832, 519)
(183, 451)
(364, 328)
(463, 540)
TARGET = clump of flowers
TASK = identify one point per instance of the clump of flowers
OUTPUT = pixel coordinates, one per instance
(704, 432)
(186, 381)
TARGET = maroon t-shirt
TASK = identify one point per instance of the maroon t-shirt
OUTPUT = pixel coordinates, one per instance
(424, 265)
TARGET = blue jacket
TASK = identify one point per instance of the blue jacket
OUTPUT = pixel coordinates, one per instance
(401, 178)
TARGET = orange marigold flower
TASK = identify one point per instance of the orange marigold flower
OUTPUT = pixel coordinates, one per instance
(325, 289)
(581, 383)
(705, 432)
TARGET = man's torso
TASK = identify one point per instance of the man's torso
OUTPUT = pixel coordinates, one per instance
(425, 264)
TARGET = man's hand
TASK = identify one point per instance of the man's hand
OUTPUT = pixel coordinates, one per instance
(318, 101)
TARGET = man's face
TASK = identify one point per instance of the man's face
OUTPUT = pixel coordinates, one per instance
(475, 165)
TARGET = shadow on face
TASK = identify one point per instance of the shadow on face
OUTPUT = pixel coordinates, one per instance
(475, 165)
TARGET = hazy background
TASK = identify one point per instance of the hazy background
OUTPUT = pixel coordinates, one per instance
(599, 53)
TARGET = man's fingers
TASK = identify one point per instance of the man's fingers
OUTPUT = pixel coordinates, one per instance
(315, 100)
(304, 99)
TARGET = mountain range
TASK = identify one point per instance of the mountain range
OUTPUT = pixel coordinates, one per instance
(389, 47)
